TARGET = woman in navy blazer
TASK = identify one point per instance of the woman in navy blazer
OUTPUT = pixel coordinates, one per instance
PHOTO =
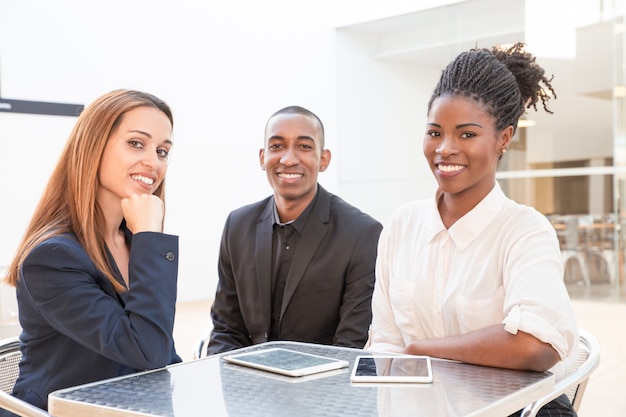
(95, 275)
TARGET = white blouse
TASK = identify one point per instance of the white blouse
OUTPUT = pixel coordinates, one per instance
(500, 263)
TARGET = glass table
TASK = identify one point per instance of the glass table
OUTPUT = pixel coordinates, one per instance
(212, 387)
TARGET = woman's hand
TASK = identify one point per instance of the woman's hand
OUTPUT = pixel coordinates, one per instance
(143, 213)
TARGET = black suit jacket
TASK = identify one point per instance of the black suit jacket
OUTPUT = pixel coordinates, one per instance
(327, 296)
(76, 329)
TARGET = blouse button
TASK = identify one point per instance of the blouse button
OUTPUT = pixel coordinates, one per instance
(169, 256)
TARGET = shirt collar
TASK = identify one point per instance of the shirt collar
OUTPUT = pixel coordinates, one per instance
(472, 224)
(277, 218)
(299, 222)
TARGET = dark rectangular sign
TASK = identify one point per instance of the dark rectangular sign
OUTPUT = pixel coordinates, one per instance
(40, 107)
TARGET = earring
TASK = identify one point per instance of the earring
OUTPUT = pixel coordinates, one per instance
(503, 151)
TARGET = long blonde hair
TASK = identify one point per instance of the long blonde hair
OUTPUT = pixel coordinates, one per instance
(68, 203)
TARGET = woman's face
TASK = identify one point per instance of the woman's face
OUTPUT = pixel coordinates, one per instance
(135, 156)
(463, 147)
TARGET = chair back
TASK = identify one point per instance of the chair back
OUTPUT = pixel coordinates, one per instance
(201, 345)
(575, 382)
(10, 356)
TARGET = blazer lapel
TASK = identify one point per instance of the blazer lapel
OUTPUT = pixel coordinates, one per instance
(264, 263)
(314, 231)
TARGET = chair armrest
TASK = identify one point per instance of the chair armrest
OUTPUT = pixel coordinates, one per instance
(577, 378)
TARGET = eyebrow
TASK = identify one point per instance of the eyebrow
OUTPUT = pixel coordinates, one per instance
(168, 141)
(302, 137)
(283, 138)
(461, 126)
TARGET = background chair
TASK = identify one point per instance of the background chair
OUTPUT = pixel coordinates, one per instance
(10, 356)
(202, 343)
(574, 384)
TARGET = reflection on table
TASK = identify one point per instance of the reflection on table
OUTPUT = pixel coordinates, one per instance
(212, 387)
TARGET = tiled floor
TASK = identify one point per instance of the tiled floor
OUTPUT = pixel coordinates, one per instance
(605, 392)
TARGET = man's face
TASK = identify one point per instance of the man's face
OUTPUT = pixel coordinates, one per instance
(293, 156)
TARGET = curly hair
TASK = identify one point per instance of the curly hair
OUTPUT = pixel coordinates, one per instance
(505, 80)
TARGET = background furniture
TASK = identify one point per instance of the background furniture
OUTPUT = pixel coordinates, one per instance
(202, 343)
(588, 247)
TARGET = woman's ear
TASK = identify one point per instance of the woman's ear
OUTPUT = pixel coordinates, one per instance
(505, 138)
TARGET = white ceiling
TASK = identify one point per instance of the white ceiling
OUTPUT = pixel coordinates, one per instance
(433, 37)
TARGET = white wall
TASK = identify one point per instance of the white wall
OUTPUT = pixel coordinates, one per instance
(29, 146)
(223, 66)
(382, 114)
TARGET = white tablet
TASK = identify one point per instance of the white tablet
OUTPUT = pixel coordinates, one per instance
(392, 368)
(253, 372)
(286, 362)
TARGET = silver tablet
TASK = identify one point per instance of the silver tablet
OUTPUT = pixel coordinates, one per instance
(286, 362)
(392, 368)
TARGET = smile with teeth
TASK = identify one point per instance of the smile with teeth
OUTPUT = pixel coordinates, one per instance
(145, 180)
(450, 168)
(288, 175)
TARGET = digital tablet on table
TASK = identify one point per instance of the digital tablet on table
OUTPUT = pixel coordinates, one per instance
(392, 368)
(286, 362)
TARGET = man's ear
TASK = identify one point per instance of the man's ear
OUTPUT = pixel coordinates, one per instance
(325, 159)
(262, 158)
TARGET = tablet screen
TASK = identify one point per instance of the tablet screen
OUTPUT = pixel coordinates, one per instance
(286, 362)
(392, 368)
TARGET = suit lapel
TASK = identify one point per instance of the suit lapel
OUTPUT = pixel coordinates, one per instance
(314, 231)
(264, 263)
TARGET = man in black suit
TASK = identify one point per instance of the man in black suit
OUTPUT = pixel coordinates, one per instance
(298, 265)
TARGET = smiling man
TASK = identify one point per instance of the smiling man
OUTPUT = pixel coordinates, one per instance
(298, 265)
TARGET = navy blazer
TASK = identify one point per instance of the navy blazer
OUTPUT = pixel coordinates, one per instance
(76, 329)
(328, 292)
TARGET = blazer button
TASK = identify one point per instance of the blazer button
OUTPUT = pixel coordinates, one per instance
(170, 256)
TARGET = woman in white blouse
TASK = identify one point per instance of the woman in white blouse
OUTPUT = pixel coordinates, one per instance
(471, 275)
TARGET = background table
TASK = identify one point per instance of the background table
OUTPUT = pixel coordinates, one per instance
(211, 387)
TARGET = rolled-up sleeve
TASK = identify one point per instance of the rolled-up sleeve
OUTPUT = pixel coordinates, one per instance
(536, 299)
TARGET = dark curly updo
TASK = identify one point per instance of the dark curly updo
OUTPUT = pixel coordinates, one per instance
(504, 80)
